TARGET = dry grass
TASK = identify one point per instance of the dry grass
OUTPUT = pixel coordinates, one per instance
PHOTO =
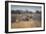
(26, 24)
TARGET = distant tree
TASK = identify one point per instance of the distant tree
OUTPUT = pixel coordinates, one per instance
(12, 12)
(38, 11)
(30, 12)
(15, 12)
(18, 11)
(27, 11)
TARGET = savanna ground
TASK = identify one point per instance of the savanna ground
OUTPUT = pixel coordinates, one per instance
(26, 24)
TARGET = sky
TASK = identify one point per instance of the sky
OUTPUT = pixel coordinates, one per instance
(29, 8)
